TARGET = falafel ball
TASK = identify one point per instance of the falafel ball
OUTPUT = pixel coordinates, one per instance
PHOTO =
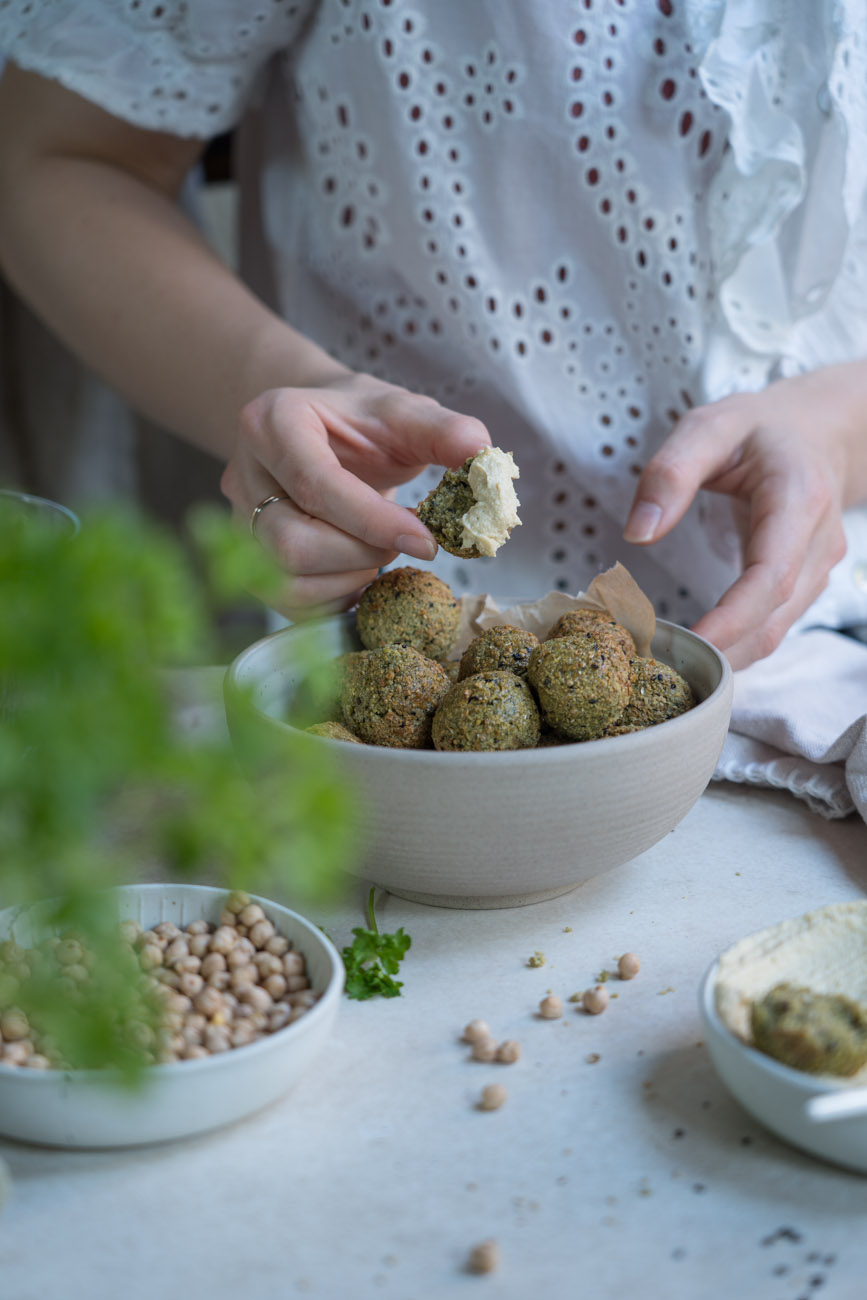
(490, 710)
(503, 648)
(658, 693)
(820, 1033)
(582, 682)
(589, 620)
(408, 606)
(332, 731)
(390, 695)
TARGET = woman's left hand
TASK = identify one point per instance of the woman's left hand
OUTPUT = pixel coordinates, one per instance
(794, 456)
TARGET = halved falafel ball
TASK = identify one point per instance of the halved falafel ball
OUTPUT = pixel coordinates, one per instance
(589, 620)
(408, 606)
(390, 695)
(658, 693)
(332, 731)
(582, 682)
(490, 710)
(472, 510)
(503, 648)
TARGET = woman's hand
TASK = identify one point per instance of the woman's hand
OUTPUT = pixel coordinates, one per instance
(794, 456)
(337, 451)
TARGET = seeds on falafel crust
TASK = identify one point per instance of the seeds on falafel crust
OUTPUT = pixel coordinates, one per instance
(390, 695)
(487, 711)
(591, 620)
(582, 682)
(502, 648)
(408, 606)
(658, 693)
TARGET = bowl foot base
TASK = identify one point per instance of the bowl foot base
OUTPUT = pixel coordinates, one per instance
(474, 902)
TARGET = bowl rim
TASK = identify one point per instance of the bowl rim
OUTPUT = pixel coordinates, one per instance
(581, 751)
(168, 1069)
(785, 1075)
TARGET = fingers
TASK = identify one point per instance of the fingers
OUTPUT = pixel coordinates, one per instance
(785, 480)
(307, 598)
(703, 446)
(290, 436)
(306, 545)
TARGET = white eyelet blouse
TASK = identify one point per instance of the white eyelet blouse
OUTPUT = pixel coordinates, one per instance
(573, 219)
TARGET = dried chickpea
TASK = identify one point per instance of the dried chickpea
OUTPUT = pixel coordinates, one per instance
(293, 964)
(267, 964)
(217, 1039)
(188, 965)
(257, 997)
(223, 939)
(214, 962)
(596, 1000)
(194, 1052)
(278, 945)
(279, 1016)
(199, 928)
(191, 984)
(296, 983)
(551, 1007)
(484, 1258)
(303, 998)
(242, 976)
(261, 932)
(208, 1002)
(129, 931)
(199, 943)
(76, 971)
(237, 901)
(14, 1025)
(250, 914)
(484, 1049)
(276, 986)
(228, 918)
(239, 955)
(17, 1053)
(176, 949)
(150, 956)
(38, 1062)
(493, 1096)
(167, 930)
(475, 1030)
(69, 952)
(628, 966)
(508, 1052)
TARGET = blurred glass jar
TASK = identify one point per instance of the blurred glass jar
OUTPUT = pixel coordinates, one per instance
(42, 510)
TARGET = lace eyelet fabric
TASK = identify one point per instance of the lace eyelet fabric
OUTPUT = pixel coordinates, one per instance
(573, 220)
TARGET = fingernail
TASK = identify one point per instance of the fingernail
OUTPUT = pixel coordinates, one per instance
(420, 548)
(642, 523)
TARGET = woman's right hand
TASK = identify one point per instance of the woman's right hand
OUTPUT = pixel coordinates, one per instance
(337, 452)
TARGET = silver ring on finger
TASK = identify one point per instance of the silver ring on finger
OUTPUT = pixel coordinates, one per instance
(257, 510)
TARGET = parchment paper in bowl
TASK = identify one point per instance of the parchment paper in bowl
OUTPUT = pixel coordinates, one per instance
(614, 591)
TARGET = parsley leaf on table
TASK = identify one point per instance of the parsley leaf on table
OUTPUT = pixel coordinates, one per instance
(373, 959)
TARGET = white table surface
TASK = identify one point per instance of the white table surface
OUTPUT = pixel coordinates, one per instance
(635, 1175)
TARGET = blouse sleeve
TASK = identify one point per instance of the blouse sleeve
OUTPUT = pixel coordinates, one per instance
(789, 203)
(182, 66)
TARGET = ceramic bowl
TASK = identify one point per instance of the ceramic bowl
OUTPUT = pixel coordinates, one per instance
(777, 1095)
(81, 1108)
(495, 829)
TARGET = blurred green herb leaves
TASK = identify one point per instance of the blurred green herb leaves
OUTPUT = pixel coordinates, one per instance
(95, 779)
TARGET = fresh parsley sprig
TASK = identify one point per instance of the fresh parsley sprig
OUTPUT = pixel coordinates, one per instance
(373, 959)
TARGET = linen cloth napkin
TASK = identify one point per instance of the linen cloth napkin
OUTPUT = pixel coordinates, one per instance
(799, 723)
(799, 717)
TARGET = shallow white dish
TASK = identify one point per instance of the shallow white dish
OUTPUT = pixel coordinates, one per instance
(81, 1108)
(776, 1095)
(493, 829)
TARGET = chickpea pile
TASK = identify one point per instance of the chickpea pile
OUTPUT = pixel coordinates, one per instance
(215, 988)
